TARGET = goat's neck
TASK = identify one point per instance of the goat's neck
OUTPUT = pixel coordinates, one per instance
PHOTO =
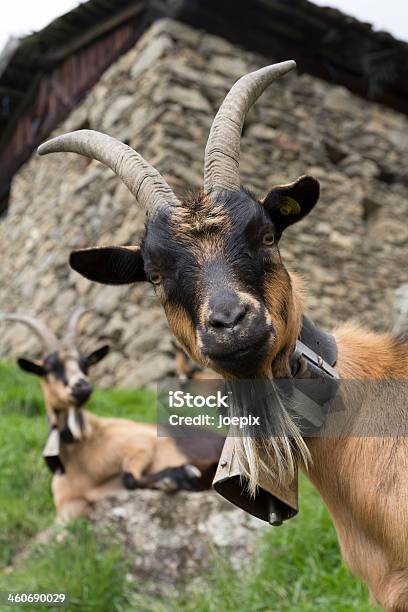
(60, 419)
(366, 355)
(288, 332)
(363, 355)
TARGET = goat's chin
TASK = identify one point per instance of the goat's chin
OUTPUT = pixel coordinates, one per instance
(251, 368)
(257, 373)
(242, 361)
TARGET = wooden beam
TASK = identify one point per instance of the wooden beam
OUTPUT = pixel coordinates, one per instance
(95, 11)
(95, 32)
(9, 91)
(24, 102)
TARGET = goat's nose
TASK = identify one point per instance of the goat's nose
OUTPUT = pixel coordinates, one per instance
(81, 390)
(227, 314)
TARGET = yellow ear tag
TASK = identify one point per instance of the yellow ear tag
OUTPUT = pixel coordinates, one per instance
(289, 206)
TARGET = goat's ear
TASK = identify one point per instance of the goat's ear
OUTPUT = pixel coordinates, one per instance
(287, 204)
(98, 355)
(31, 366)
(109, 265)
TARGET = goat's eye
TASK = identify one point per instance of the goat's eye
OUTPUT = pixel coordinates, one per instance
(155, 278)
(268, 239)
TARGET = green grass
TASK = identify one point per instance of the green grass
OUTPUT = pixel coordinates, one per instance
(90, 570)
(296, 567)
(126, 403)
(25, 498)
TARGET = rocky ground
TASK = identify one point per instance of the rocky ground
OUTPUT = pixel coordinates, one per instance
(161, 97)
(172, 539)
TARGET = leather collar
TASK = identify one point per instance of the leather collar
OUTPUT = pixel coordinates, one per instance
(317, 347)
(315, 380)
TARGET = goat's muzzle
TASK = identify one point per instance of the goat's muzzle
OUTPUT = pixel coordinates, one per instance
(81, 392)
(236, 335)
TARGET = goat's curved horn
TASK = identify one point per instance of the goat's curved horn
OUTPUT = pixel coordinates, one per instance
(143, 181)
(222, 153)
(47, 337)
(73, 323)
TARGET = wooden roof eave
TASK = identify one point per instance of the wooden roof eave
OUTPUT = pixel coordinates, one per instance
(8, 52)
(95, 32)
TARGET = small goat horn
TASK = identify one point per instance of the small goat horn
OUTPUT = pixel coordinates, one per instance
(143, 181)
(222, 153)
(46, 336)
(72, 327)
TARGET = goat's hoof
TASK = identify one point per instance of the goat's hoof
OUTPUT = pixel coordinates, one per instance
(192, 471)
(168, 485)
(183, 478)
(130, 482)
(189, 478)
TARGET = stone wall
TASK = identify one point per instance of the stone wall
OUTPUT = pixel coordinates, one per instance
(160, 98)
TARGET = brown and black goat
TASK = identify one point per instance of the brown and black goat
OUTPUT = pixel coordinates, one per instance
(93, 456)
(214, 262)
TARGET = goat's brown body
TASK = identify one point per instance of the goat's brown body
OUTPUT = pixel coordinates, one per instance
(364, 479)
(94, 465)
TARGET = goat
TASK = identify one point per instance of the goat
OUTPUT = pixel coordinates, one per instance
(214, 262)
(92, 456)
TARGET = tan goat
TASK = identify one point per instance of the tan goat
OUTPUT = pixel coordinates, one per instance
(92, 456)
(215, 264)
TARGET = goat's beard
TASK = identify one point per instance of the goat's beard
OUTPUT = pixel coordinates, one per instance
(279, 446)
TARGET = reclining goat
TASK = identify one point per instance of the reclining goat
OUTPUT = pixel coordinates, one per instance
(93, 456)
(214, 262)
